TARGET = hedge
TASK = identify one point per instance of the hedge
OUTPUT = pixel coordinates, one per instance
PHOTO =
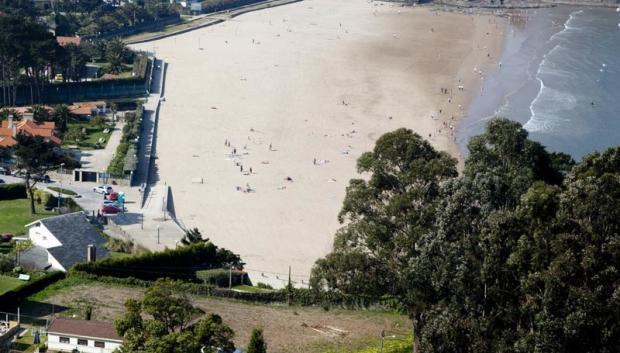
(131, 130)
(15, 295)
(13, 192)
(297, 296)
(221, 277)
(180, 263)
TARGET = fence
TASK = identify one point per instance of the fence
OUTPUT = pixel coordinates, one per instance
(84, 91)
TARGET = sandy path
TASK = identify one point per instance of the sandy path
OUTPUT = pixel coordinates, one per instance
(318, 79)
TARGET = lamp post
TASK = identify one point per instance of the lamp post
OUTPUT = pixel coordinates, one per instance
(157, 234)
(60, 189)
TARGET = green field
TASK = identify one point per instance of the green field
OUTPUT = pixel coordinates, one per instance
(15, 214)
(8, 283)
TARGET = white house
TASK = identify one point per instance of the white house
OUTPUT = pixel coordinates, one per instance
(62, 241)
(65, 335)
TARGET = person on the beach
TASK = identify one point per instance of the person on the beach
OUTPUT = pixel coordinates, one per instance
(314, 161)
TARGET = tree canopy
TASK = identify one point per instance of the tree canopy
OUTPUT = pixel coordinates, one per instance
(519, 254)
(172, 328)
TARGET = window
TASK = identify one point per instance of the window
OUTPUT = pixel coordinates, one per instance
(99, 344)
(64, 339)
(82, 342)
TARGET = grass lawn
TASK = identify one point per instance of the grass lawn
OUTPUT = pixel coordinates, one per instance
(8, 283)
(15, 214)
(63, 191)
(93, 134)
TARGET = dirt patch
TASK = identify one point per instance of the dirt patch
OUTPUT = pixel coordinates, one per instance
(287, 329)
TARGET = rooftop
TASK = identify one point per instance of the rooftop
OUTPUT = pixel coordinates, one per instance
(84, 328)
(75, 234)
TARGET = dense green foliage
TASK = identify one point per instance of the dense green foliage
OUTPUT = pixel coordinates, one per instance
(35, 157)
(12, 191)
(180, 263)
(131, 131)
(257, 342)
(221, 277)
(519, 254)
(171, 330)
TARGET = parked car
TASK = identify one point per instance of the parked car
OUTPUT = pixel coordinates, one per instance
(110, 209)
(103, 189)
(42, 178)
(18, 173)
(4, 171)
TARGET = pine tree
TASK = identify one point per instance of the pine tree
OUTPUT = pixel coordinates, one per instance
(257, 342)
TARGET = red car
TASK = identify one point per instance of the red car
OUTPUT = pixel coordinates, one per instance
(109, 209)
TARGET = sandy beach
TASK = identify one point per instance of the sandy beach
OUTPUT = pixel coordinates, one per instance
(272, 109)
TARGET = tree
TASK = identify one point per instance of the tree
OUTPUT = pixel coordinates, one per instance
(60, 115)
(193, 236)
(385, 217)
(519, 254)
(75, 64)
(168, 304)
(257, 342)
(168, 331)
(39, 113)
(36, 157)
(115, 54)
(6, 263)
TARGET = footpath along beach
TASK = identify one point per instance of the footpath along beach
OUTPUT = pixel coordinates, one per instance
(271, 109)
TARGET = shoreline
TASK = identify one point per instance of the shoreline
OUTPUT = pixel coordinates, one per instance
(250, 104)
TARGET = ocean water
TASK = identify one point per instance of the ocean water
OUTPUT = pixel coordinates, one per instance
(560, 77)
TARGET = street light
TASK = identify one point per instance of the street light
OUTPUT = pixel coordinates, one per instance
(158, 234)
(60, 189)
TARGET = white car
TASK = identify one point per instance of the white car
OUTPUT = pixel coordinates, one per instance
(103, 189)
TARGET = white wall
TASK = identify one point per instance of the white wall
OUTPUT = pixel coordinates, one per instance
(42, 237)
(53, 344)
(55, 264)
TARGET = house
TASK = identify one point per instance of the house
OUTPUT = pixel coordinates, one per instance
(62, 241)
(67, 335)
(9, 129)
(86, 110)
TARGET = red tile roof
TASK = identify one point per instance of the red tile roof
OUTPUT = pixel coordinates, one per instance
(84, 328)
(68, 40)
(28, 127)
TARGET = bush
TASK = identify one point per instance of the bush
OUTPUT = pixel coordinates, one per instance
(16, 295)
(220, 277)
(180, 263)
(131, 130)
(12, 192)
(262, 285)
(6, 263)
(119, 245)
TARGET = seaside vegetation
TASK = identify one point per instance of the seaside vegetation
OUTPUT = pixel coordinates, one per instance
(30, 57)
(519, 254)
(128, 145)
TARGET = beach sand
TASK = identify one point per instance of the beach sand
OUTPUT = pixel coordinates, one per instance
(319, 81)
